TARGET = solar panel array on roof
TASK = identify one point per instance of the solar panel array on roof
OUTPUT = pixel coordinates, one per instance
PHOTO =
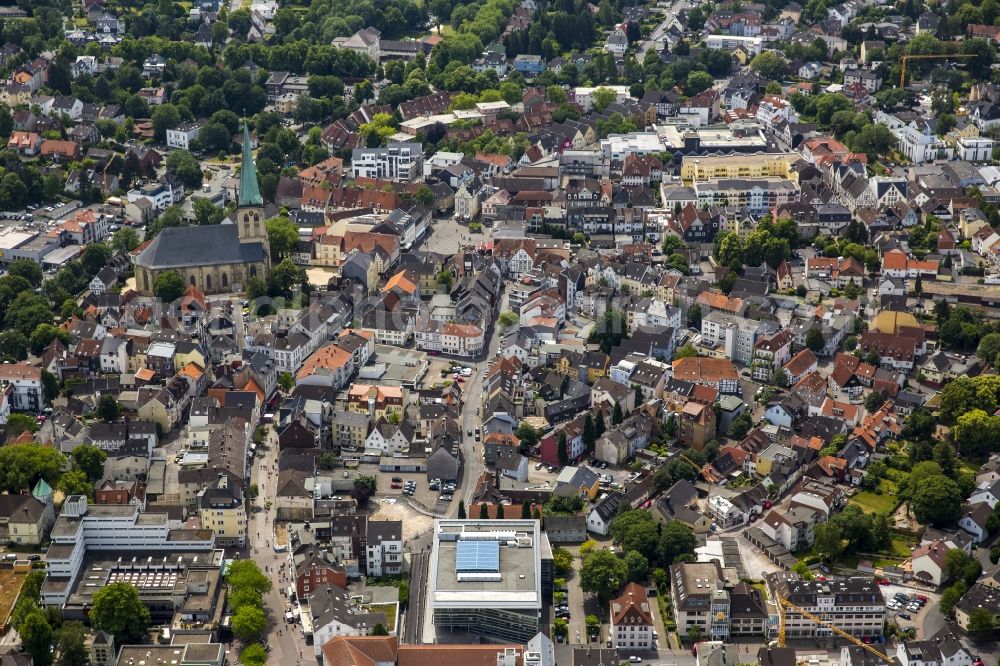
(477, 557)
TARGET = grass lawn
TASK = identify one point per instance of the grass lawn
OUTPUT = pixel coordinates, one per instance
(900, 547)
(10, 586)
(896, 475)
(390, 614)
(970, 467)
(872, 503)
(888, 487)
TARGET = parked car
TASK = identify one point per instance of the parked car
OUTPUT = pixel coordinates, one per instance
(634, 660)
(397, 479)
(397, 486)
(904, 616)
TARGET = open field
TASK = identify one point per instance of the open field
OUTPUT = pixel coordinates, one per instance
(872, 503)
(10, 586)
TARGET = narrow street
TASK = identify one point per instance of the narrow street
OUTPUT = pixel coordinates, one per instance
(472, 452)
(671, 12)
(284, 641)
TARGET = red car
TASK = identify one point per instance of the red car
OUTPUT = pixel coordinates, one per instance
(397, 486)
(883, 581)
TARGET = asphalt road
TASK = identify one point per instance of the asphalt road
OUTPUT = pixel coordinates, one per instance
(414, 621)
(658, 31)
(285, 642)
(472, 451)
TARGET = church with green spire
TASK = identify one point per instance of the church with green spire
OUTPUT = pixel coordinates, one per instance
(216, 258)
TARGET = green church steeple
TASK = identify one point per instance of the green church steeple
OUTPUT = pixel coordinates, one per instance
(249, 188)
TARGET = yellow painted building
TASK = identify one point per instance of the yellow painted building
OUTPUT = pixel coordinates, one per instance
(191, 356)
(376, 401)
(220, 508)
(889, 321)
(759, 165)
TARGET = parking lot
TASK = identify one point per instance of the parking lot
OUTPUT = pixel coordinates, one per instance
(422, 493)
(915, 618)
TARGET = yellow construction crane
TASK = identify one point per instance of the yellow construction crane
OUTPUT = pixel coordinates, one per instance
(782, 602)
(906, 58)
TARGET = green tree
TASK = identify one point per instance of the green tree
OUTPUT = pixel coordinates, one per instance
(989, 348)
(118, 610)
(609, 330)
(206, 213)
(286, 381)
(22, 465)
(364, 488)
(168, 286)
(248, 623)
(562, 561)
(165, 116)
(937, 501)
(253, 655)
(13, 346)
(90, 460)
(507, 319)
(285, 277)
(528, 434)
(185, 166)
(637, 565)
(36, 634)
(676, 539)
(814, 339)
(244, 597)
(108, 408)
(616, 415)
(635, 530)
(26, 312)
(561, 449)
(962, 567)
(603, 573)
(26, 269)
(950, 597)
(484, 512)
(944, 456)
(424, 196)
(75, 482)
(246, 575)
(770, 65)
(698, 81)
(980, 621)
(43, 335)
(461, 510)
(282, 236)
(71, 645)
(829, 542)
(50, 387)
(740, 426)
(526, 509)
(589, 432)
(685, 351)
(602, 98)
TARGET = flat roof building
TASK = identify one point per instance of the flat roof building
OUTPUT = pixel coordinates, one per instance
(488, 576)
